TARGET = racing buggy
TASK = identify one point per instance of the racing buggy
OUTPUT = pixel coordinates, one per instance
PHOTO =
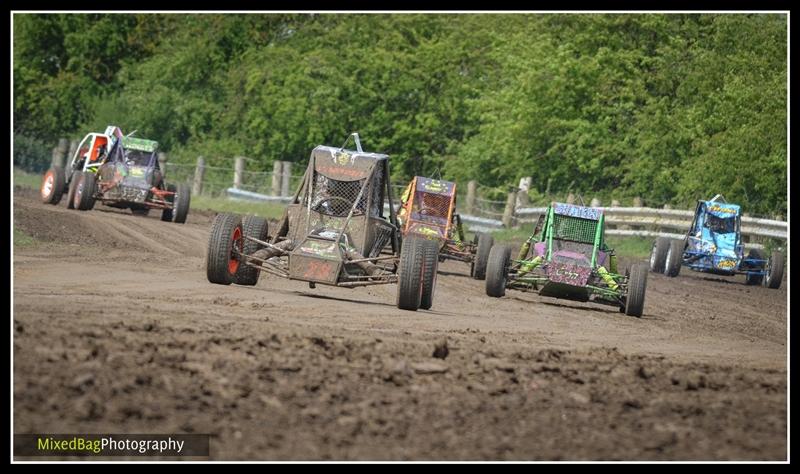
(119, 171)
(428, 211)
(333, 232)
(714, 244)
(567, 257)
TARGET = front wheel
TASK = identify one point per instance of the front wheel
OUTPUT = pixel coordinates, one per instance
(658, 255)
(485, 242)
(430, 266)
(497, 270)
(774, 271)
(674, 258)
(225, 245)
(637, 285)
(52, 187)
(181, 207)
(409, 278)
(83, 199)
(257, 228)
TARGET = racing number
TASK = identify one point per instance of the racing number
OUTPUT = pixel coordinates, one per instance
(318, 270)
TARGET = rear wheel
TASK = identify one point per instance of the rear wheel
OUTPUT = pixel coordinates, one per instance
(409, 278)
(774, 271)
(181, 207)
(73, 183)
(637, 285)
(755, 278)
(430, 268)
(83, 199)
(52, 187)
(674, 258)
(658, 255)
(497, 270)
(255, 227)
(485, 242)
(224, 247)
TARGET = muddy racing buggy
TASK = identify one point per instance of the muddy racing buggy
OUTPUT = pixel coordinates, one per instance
(119, 171)
(714, 244)
(566, 257)
(427, 211)
(334, 232)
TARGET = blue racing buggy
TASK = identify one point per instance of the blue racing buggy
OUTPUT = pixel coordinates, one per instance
(714, 244)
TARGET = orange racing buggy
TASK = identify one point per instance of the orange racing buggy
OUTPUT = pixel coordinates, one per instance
(428, 210)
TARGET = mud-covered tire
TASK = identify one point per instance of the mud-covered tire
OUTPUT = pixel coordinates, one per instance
(52, 188)
(658, 255)
(672, 265)
(181, 206)
(775, 270)
(73, 183)
(497, 270)
(755, 278)
(637, 286)
(83, 198)
(485, 243)
(221, 262)
(256, 227)
(167, 214)
(409, 278)
(430, 267)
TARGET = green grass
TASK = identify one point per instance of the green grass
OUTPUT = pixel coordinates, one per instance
(266, 210)
(21, 239)
(26, 180)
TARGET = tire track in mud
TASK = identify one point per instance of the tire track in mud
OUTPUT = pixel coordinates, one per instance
(108, 340)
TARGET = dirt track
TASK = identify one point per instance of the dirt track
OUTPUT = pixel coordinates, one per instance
(116, 329)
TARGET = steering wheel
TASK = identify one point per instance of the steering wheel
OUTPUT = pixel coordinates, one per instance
(332, 199)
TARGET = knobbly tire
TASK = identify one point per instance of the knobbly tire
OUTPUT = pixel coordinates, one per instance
(637, 285)
(84, 192)
(674, 257)
(52, 187)
(485, 243)
(430, 268)
(166, 214)
(182, 198)
(774, 271)
(222, 262)
(73, 183)
(754, 278)
(256, 227)
(658, 255)
(497, 270)
(409, 278)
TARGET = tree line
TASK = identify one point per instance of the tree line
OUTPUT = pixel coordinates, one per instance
(669, 107)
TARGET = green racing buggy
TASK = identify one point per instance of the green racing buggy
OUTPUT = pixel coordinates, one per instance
(567, 257)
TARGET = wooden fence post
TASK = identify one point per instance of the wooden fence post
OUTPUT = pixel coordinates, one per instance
(277, 169)
(60, 152)
(285, 178)
(595, 202)
(199, 173)
(162, 162)
(508, 213)
(472, 187)
(238, 172)
(522, 196)
(570, 198)
(73, 147)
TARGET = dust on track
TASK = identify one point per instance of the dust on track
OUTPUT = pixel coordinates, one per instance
(116, 329)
